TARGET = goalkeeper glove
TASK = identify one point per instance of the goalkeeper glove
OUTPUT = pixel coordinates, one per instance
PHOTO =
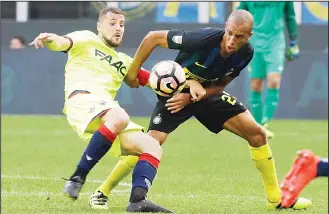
(293, 51)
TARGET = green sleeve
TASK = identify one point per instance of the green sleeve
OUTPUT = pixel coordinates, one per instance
(291, 20)
(243, 5)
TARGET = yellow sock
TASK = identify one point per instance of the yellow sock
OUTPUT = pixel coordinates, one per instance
(123, 168)
(264, 162)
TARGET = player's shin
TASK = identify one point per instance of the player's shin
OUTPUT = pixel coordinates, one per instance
(264, 162)
(123, 168)
(256, 103)
(143, 176)
(271, 103)
(98, 146)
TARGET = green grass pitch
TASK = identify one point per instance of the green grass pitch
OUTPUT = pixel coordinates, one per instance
(200, 172)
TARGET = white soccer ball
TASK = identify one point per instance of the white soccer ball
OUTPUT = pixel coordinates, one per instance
(167, 78)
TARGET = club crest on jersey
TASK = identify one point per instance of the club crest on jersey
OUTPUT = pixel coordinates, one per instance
(118, 65)
(157, 119)
(178, 39)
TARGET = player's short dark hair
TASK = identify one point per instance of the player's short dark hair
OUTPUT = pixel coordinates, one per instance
(104, 11)
(21, 39)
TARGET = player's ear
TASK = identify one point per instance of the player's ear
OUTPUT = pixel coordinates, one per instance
(98, 26)
(251, 33)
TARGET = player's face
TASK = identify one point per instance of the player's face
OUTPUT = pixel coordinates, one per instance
(236, 36)
(112, 27)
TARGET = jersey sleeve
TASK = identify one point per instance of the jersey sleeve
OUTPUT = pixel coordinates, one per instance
(291, 20)
(246, 56)
(189, 39)
(78, 39)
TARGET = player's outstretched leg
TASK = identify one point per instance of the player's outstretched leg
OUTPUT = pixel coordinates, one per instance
(150, 153)
(116, 120)
(126, 164)
(246, 127)
(306, 167)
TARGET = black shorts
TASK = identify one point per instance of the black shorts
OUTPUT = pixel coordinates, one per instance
(212, 112)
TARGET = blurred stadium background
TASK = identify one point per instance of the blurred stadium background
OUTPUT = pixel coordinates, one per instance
(305, 81)
(37, 150)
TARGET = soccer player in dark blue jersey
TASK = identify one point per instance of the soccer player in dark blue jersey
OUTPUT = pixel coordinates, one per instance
(212, 58)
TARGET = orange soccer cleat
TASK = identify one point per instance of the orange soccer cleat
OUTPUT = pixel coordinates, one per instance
(301, 173)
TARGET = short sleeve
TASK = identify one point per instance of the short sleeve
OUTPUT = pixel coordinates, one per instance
(78, 39)
(188, 39)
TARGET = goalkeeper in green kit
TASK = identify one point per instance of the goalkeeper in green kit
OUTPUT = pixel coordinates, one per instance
(269, 56)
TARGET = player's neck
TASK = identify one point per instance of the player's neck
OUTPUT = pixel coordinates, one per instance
(104, 41)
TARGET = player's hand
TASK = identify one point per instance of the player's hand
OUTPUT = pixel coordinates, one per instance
(39, 41)
(196, 89)
(292, 51)
(178, 102)
(134, 84)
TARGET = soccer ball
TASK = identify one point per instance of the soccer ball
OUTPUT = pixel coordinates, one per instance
(167, 78)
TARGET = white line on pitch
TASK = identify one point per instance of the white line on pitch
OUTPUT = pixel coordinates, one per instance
(19, 177)
(26, 194)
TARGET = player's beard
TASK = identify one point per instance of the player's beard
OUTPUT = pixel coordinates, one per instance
(111, 43)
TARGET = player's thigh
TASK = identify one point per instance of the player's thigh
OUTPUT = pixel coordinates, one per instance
(274, 59)
(83, 112)
(137, 143)
(245, 126)
(256, 67)
(115, 149)
(85, 115)
(216, 110)
(164, 121)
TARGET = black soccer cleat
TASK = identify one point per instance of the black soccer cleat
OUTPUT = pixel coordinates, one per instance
(146, 206)
(73, 187)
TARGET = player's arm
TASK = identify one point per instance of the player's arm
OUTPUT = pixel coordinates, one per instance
(217, 87)
(150, 41)
(289, 12)
(291, 22)
(143, 77)
(172, 39)
(52, 41)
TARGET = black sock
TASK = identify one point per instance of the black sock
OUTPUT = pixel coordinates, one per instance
(137, 194)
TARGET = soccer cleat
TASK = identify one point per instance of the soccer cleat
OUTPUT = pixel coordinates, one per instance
(299, 203)
(269, 134)
(146, 206)
(73, 187)
(301, 173)
(98, 201)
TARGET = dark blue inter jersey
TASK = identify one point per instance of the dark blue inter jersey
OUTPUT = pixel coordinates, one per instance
(200, 57)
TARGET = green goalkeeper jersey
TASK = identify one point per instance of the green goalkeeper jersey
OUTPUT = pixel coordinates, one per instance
(269, 19)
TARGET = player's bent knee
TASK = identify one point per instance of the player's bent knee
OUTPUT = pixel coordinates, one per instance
(137, 143)
(116, 119)
(154, 149)
(157, 135)
(257, 85)
(273, 80)
(257, 137)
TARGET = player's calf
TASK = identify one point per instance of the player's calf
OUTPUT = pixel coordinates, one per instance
(246, 127)
(150, 153)
(257, 136)
(116, 120)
